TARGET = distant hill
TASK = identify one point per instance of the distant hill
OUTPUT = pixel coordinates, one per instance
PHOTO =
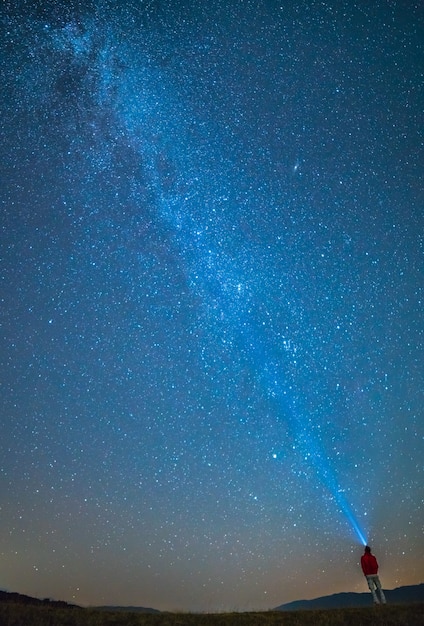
(128, 609)
(400, 595)
(7, 597)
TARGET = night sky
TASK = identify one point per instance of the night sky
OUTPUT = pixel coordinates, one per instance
(212, 321)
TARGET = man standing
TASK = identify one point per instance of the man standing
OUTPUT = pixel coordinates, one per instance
(370, 568)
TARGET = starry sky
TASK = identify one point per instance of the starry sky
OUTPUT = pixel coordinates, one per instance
(212, 291)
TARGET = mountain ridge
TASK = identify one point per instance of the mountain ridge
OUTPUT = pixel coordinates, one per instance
(12, 597)
(408, 594)
(400, 595)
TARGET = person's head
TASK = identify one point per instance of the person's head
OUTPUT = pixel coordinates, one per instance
(367, 550)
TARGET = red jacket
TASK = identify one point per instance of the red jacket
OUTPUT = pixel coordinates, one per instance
(369, 564)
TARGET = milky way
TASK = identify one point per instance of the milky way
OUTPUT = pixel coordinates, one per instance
(212, 300)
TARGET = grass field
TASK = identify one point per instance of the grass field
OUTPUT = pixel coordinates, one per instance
(395, 615)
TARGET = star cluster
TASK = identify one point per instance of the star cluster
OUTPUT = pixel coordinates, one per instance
(211, 299)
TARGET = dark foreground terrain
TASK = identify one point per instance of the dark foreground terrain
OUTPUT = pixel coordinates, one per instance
(395, 615)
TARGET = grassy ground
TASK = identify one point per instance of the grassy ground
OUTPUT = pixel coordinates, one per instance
(395, 615)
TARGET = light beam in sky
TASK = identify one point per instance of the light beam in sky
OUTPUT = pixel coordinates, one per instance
(139, 96)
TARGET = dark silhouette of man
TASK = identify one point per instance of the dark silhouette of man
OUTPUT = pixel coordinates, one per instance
(370, 568)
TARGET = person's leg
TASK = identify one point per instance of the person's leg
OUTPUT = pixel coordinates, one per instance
(372, 587)
(380, 590)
